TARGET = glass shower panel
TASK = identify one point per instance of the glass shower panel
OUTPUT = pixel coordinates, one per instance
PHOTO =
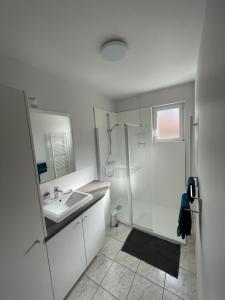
(139, 168)
(119, 180)
(112, 164)
(157, 181)
(168, 183)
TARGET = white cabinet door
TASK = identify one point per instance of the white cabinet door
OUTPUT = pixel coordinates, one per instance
(67, 258)
(24, 275)
(94, 230)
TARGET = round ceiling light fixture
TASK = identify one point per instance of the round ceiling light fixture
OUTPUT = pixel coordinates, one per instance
(114, 50)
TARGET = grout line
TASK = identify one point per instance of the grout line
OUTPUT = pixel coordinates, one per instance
(164, 281)
(164, 286)
(95, 291)
(91, 279)
(150, 281)
(131, 285)
(138, 265)
(163, 293)
(81, 277)
(174, 294)
(115, 238)
(105, 276)
(109, 292)
(99, 286)
(136, 272)
(113, 259)
(107, 272)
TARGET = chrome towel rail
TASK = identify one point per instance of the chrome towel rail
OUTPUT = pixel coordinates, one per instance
(192, 210)
(196, 198)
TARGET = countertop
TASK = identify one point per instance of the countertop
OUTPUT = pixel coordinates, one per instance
(97, 188)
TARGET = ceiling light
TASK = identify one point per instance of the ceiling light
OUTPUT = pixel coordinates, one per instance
(114, 50)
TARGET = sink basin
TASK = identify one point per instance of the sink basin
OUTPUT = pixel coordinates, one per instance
(59, 208)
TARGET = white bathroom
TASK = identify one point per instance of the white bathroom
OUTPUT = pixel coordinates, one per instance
(112, 150)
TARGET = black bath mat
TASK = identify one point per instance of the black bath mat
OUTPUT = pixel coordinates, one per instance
(159, 253)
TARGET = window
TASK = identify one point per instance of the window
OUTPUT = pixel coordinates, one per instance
(168, 122)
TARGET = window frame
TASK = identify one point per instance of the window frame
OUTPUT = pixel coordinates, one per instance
(155, 109)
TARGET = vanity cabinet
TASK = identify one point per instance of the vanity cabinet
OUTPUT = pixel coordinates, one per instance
(72, 249)
(67, 258)
(94, 230)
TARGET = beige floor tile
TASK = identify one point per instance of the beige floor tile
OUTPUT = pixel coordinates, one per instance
(169, 296)
(143, 289)
(185, 286)
(98, 268)
(103, 295)
(118, 281)
(127, 260)
(120, 233)
(83, 290)
(111, 248)
(153, 274)
(187, 258)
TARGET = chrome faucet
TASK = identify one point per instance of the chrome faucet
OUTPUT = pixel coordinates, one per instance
(57, 191)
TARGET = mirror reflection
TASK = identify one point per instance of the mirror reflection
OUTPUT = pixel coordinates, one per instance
(53, 144)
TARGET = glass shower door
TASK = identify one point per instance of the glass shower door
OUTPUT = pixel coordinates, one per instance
(138, 162)
(116, 172)
(156, 173)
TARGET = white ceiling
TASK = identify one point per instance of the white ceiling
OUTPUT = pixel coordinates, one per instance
(64, 37)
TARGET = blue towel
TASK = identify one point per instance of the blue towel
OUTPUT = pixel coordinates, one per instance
(42, 167)
(184, 221)
(191, 185)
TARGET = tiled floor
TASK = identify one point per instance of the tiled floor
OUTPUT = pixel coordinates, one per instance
(115, 275)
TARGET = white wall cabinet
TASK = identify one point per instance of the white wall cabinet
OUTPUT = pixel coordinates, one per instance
(94, 230)
(73, 248)
(67, 258)
(24, 269)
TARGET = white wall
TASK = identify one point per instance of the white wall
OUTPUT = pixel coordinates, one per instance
(56, 94)
(210, 109)
(183, 92)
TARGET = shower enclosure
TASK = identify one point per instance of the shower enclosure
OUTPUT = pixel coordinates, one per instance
(147, 178)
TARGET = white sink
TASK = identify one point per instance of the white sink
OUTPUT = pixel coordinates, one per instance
(58, 209)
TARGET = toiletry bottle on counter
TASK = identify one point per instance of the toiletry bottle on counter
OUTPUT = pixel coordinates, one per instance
(46, 197)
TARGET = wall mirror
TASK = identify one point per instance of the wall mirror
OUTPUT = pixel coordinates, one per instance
(53, 144)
